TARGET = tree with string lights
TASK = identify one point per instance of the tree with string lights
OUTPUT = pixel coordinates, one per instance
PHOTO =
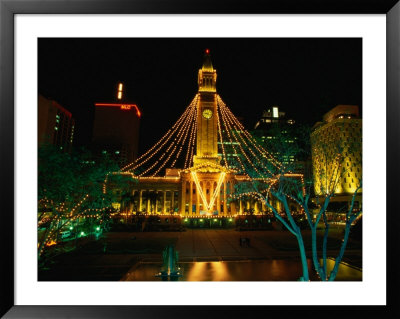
(285, 187)
(70, 191)
(331, 167)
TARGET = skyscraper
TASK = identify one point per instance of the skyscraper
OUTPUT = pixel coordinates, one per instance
(55, 124)
(279, 135)
(116, 128)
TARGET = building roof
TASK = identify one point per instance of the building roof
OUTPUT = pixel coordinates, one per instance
(207, 64)
(341, 110)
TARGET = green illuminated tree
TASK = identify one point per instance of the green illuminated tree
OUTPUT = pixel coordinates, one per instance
(332, 166)
(268, 180)
(70, 186)
(273, 181)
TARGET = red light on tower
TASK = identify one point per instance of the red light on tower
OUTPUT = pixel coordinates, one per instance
(207, 51)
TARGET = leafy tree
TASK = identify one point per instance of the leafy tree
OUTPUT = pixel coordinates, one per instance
(71, 186)
(127, 201)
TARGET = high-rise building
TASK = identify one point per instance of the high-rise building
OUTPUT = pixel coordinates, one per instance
(336, 146)
(279, 135)
(228, 147)
(116, 129)
(55, 124)
(272, 115)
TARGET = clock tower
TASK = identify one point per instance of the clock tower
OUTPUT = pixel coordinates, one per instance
(207, 117)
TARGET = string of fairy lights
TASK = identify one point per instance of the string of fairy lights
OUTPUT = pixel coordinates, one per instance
(325, 184)
(65, 218)
(237, 134)
(179, 143)
(189, 155)
(221, 141)
(238, 131)
(214, 195)
(182, 126)
(178, 146)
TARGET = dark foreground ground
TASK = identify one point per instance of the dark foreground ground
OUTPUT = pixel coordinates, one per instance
(110, 257)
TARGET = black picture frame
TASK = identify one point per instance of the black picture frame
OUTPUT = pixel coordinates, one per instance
(8, 10)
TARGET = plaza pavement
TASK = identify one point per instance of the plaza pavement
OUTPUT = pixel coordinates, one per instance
(223, 244)
(127, 249)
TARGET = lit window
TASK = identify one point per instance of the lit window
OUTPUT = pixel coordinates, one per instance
(275, 112)
(119, 96)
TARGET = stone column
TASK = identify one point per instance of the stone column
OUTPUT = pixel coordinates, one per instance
(173, 201)
(191, 198)
(225, 207)
(211, 194)
(148, 205)
(204, 193)
(233, 205)
(241, 206)
(140, 200)
(219, 201)
(183, 197)
(197, 202)
(164, 201)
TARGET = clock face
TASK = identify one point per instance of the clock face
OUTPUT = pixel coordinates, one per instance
(207, 113)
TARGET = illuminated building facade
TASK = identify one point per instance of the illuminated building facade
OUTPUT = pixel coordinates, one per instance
(202, 138)
(278, 134)
(116, 129)
(336, 145)
(272, 115)
(55, 124)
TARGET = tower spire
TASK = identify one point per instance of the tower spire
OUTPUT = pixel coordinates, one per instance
(207, 78)
(207, 64)
(207, 146)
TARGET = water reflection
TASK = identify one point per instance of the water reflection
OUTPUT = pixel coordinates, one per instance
(255, 270)
(345, 273)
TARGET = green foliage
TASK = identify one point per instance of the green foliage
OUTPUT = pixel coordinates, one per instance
(67, 178)
(71, 185)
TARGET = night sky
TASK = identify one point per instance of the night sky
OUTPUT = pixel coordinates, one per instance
(304, 77)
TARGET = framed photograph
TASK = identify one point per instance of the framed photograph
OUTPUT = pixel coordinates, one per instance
(194, 186)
